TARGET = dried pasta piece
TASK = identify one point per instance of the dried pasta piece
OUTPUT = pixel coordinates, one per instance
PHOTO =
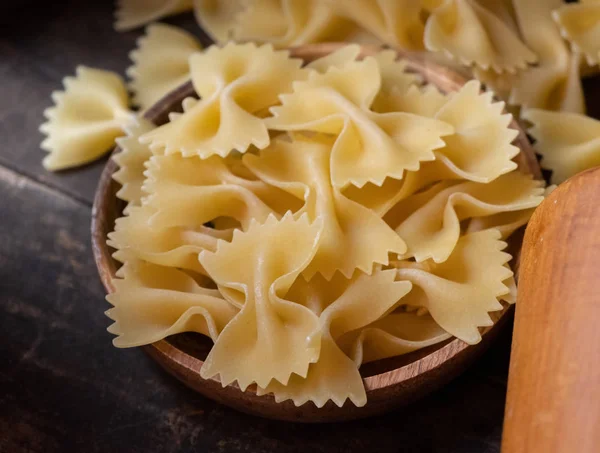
(160, 63)
(337, 59)
(395, 22)
(580, 25)
(189, 192)
(152, 302)
(554, 83)
(381, 199)
(175, 246)
(287, 23)
(467, 31)
(568, 142)
(217, 17)
(429, 221)
(131, 161)
(87, 117)
(395, 334)
(269, 337)
(135, 13)
(460, 292)
(361, 300)
(393, 72)
(424, 101)
(480, 149)
(236, 84)
(302, 168)
(370, 146)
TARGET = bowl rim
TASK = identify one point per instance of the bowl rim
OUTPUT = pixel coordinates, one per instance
(411, 380)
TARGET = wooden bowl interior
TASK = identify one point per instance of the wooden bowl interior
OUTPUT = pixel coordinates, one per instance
(390, 382)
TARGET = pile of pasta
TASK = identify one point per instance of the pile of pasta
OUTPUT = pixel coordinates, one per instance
(530, 52)
(312, 218)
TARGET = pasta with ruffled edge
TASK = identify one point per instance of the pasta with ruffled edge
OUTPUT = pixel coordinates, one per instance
(276, 253)
(152, 302)
(289, 22)
(301, 167)
(131, 160)
(461, 291)
(568, 142)
(87, 117)
(236, 84)
(160, 63)
(270, 293)
(370, 146)
(429, 221)
(554, 83)
(397, 22)
(468, 32)
(131, 14)
(360, 301)
(580, 25)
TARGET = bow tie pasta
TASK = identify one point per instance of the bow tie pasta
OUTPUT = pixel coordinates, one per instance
(312, 219)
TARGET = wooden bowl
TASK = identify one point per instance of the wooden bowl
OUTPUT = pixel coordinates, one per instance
(389, 383)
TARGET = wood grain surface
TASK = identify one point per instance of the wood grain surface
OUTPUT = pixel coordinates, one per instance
(554, 387)
(63, 387)
(389, 383)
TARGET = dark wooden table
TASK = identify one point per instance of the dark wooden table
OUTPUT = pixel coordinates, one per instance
(63, 387)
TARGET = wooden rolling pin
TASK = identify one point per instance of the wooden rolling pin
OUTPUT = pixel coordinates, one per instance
(553, 402)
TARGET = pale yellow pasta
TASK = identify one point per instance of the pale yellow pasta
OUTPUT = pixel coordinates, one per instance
(424, 101)
(289, 22)
(312, 219)
(131, 161)
(429, 221)
(554, 82)
(395, 22)
(480, 148)
(468, 32)
(87, 117)
(580, 24)
(152, 302)
(216, 17)
(301, 167)
(236, 84)
(568, 142)
(175, 246)
(334, 376)
(460, 292)
(160, 63)
(135, 13)
(392, 335)
(370, 146)
(189, 192)
(269, 338)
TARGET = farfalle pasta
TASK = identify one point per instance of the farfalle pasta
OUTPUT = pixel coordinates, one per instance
(580, 24)
(160, 63)
(289, 22)
(302, 168)
(367, 222)
(370, 146)
(135, 13)
(236, 85)
(568, 142)
(131, 160)
(554, 82)
(468, 32)
(87, 116)
(151, 302)
(460, 292)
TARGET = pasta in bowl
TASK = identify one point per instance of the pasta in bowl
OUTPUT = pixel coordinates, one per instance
(331, 220)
